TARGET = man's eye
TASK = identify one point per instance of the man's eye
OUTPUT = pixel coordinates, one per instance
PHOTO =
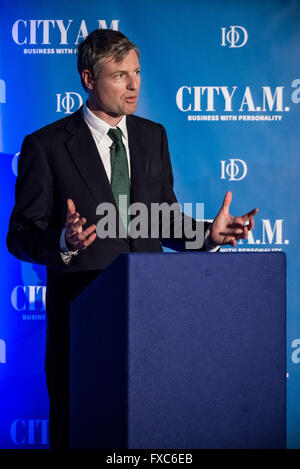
(119, 75)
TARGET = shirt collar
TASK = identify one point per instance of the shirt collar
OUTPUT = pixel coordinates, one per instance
(100, 126)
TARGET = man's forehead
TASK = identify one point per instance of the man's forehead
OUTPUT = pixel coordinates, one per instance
(129, 60)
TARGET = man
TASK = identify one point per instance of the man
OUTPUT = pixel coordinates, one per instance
(95, 155)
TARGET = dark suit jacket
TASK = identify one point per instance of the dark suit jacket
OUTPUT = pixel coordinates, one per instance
(61, 161)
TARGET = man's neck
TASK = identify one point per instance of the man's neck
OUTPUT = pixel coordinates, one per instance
(111, 120)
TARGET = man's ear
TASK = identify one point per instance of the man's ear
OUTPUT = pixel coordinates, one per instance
(88, 79)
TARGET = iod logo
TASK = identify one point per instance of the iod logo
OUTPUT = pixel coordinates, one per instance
(70, 102)
(236, 36)
(236, 169)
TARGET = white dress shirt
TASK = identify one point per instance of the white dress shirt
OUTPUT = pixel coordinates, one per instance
(99, 129)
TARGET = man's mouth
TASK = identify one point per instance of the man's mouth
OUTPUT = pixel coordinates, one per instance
(131, 99)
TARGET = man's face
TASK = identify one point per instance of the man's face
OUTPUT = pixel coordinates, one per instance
(115, 91)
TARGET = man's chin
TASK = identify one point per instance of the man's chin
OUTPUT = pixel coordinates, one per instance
(124, 111)
(129, 109)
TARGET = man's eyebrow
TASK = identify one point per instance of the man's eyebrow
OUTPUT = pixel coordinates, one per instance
(125, 71)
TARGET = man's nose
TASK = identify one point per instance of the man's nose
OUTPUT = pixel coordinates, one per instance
(132, 82)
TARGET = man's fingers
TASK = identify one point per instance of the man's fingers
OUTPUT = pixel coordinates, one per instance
(227, 200)
(75, 227)
(235, 235)
(242, 235)
(251, 224)
(79, 237)
(84, 243)
(244, 220)
(238, 228)
(231, 240)
(86, 232)
(236, 225)
(72, 218)
(84, 239)
(89, 240)
(76, 237)
(249, 215)
(70, 206)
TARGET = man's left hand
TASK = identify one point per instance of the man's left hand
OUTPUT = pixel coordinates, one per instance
(227, 229)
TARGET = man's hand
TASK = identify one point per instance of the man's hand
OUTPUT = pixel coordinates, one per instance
(227, 229)
(76, 237)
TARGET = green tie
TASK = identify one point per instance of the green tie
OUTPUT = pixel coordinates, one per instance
(120, 183)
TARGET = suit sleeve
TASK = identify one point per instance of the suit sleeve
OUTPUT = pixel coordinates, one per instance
(168, 195)
(31, 236)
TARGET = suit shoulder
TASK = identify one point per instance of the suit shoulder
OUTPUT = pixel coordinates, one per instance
(142, 122)
(55, 127)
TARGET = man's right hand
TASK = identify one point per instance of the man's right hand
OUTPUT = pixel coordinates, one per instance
(76, 237)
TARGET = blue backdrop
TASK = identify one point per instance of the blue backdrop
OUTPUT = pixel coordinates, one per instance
(223, 78)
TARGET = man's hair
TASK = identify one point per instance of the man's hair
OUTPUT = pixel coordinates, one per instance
(99, 44)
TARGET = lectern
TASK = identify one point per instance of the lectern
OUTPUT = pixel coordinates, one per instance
(180, 350)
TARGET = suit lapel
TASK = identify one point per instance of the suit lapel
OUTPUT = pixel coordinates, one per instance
(86, 158)
(138, 161)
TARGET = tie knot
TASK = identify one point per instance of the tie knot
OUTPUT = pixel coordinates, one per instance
(115, 135)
